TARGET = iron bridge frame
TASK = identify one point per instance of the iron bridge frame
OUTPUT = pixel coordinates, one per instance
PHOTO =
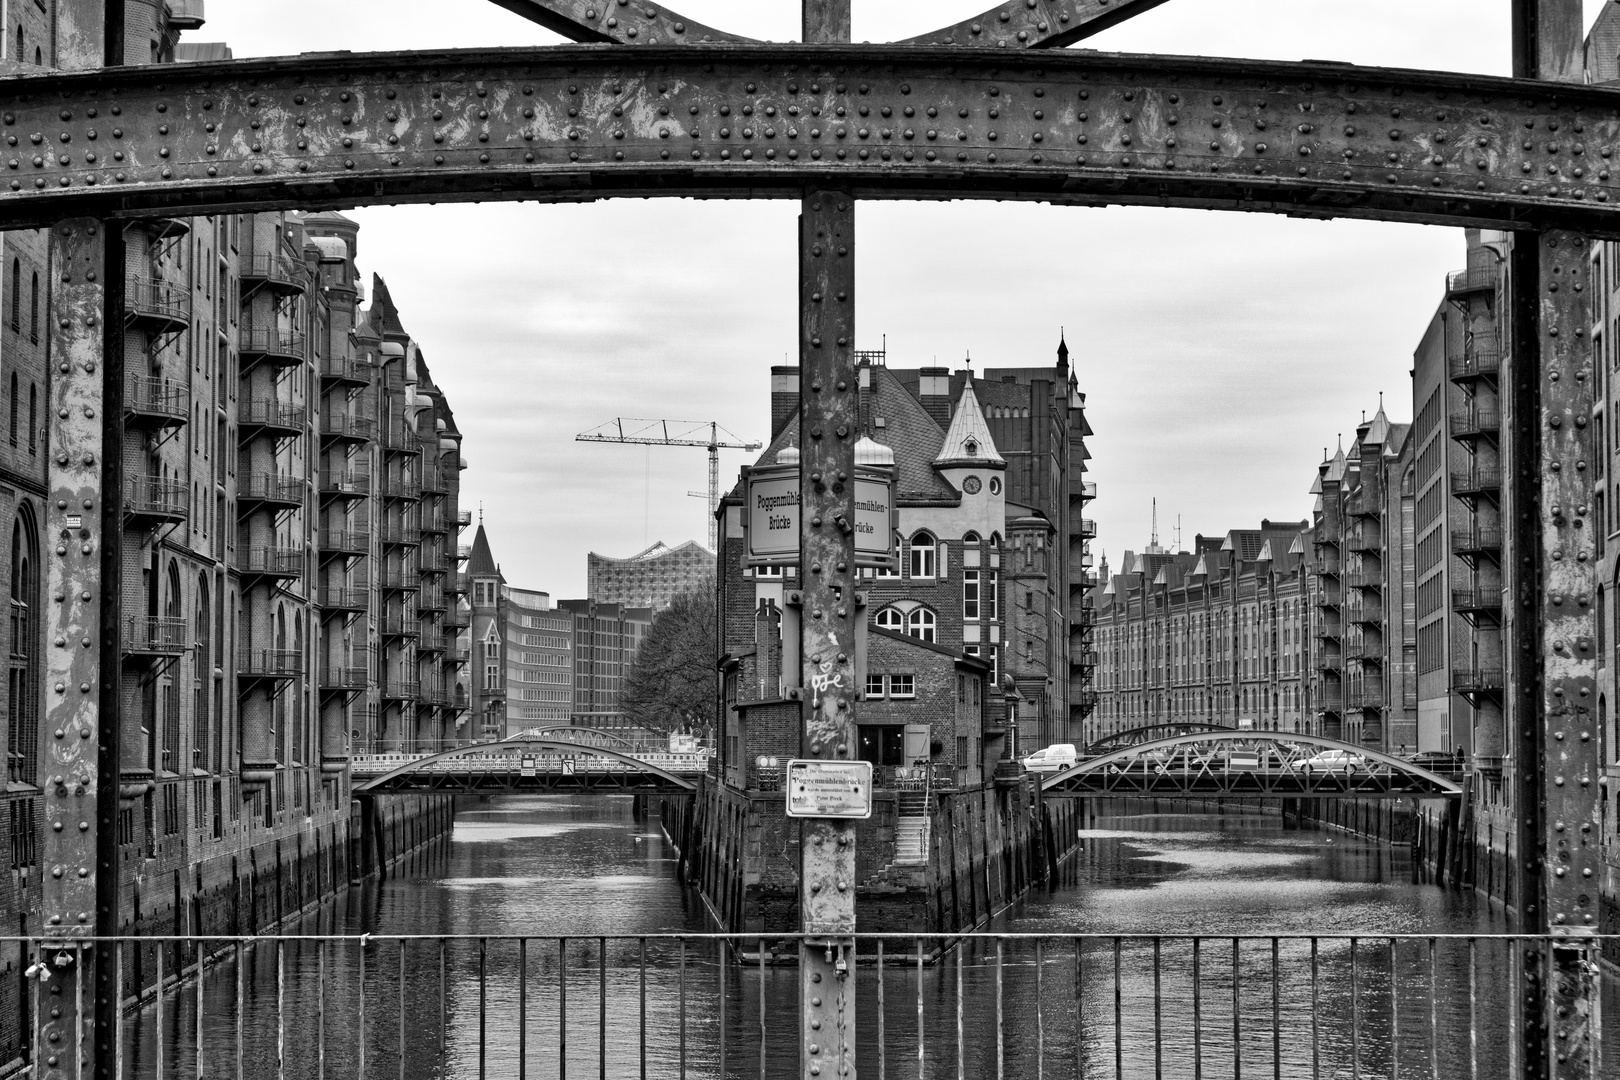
(419, 776)
(988, 108)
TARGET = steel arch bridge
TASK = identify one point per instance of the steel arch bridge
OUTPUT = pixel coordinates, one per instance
(532, 763)
(992, 107)
(584, 736)
(1248, 764)
(1134, 736)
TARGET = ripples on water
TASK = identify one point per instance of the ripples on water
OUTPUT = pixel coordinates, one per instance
(581, 867)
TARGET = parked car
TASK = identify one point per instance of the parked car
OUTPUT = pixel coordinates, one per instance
(1331, 761)
(1054, 758)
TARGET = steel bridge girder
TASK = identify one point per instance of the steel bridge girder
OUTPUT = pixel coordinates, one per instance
(582, 122)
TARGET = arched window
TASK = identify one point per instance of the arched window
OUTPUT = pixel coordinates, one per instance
(995, 540)
(891, 619)
(16, 294)
(33, 311)
(33, 418)
(970, 537)
(922, 555)
(22, 53)
(39, 57)
(13, 408)
(921, 624)
(22, 704)
(202, 666)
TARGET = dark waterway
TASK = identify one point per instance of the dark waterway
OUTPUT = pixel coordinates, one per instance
(581, 867)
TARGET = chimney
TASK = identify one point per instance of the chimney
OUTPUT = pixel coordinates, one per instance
(934, 391)
(784, 397)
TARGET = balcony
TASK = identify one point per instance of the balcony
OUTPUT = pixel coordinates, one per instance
(276, 346)
(153, 500)
(1364, 579)
(1365, 651)
(284, 563)
(1476, 424)
(1364, 504)
(431, 643)
(266, 416)
(345, 371)
(257, 664)
(1476, 359)
(269, 491)
(1088, 528)
(341, 427)
(1477, 601)
(1477, 482)
(399, 487)
(463, 552)
(464, 519)
(185, 14)
(398, 581)
(153, 635)
(345, 599)
(1368, 695)
(461, 585)
(393, 534)
(1088, 489)
(154, 404)
(156, 306)
(1471, 543)
(1365, 540)
(395, 688)
(345, 483)
(1328, 565)
(432, 561)
(1329, 628)
(1483, 275)
(1330, 700)
(435, 525)
(395, 625)
(398, 440)
(432, 692)
(1329, 598)
(459, 655)
(1366, 613)
(1329, 661)
(277, 272)
(1477, 680)
(457, 618)
(344, 542)
(343, 679)
(430, 600)
(434, 483)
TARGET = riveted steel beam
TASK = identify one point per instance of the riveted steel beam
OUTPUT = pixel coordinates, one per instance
(72, 730)
(827, 434)
(574, 122)
(1036, 24)
(619, 22)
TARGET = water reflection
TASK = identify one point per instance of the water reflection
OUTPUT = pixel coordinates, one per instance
(582, 866)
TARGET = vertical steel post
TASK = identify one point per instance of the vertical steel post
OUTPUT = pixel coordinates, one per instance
(70, 779)
(827, 435)
(1552, 567)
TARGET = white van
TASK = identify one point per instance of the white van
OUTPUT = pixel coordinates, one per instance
(1054, 758)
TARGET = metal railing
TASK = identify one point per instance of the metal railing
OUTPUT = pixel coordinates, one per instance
(343, 599)
(1477, 358)
(967, 1005)
(270, 413)
(355, 482)
(274, 341)
(274, 663)
(345, 369)
(1476, 599)
(1476, 422)
(464, 518)
(155, 497)
(399, 487)
(158, 398)
(271, 488)
(344, 540)
(284, 562)
(155, 635)
(160, 300)
(271, 267)
(1477, 680)
(1470, 541)
(343, 426)
(1478, 480)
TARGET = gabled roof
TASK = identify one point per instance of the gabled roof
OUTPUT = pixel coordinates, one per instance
(1378, 429)
(967, 440)
(1336, 466)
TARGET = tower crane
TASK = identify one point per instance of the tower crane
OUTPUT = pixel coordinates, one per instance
(637, 432)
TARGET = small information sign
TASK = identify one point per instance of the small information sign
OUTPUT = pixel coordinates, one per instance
(829, 789)
(771, 516)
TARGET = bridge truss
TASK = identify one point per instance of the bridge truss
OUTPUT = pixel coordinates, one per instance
(989, 108)
(530, 763)
(1136, 736)
(1247, 764)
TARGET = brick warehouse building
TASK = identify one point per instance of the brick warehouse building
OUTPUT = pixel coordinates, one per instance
(987, 607)
(289, 575)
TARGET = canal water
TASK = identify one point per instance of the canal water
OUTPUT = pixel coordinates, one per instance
(1097, 1006)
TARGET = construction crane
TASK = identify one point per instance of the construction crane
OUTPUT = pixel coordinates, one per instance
(636, 432)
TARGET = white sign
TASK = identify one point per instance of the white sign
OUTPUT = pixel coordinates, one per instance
(829, 789)
(771, 516)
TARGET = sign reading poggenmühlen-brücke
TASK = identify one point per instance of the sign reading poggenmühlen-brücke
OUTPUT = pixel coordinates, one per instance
(829, 789)
(771, 516)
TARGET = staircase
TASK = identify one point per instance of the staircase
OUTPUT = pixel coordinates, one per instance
(911, 828)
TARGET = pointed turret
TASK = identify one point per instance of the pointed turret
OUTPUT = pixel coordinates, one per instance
(1063, 351)
(967, 441)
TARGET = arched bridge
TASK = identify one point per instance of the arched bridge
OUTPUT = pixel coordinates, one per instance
(1249, 764)
(528, 763)
(1119, 740)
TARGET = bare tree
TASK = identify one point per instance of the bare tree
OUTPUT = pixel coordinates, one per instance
(671, 685)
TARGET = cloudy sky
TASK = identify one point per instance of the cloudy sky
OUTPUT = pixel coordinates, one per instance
(1220, 353)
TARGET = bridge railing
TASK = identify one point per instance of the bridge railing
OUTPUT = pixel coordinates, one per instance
(979, 1005)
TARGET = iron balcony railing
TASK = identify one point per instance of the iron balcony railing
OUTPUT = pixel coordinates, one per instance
(463, 518)
(345, 541)
(268, 561)
(1364, 579)
(435, 524)
(1364, 504)
(399, 439)
(398, 581)
(268, 414)
(1369, 695)
(1475, 541)
(274, 343)
(463, 551)
(1365, 651)
(1477, 680)
(346, 483)
(393, 486)
(434, 483)
(1480, 358)
(345, 370)
(1476, 600)
(274, 269)
(156, 499)
(433, 561)
(1329, 598)
(273, 488)
(153, 401)
(457, 618)
(1365, 612)
(338, 598)
(397, 625)
(985, 1006)
(459, 655)
(1329, 661)
(431, 643)
(1476, 482)
(1482, 275)
(1330, 699)
(155, 635)
(1330, 626)
(270, 663)
(395, 688)
(398, 535)
(433, 692)
(348, 428)
(185, 14)
(1088, 528)
(344, 676)
(1364, 540)
(1475, 422)
(157, 303)
(430, 600)
(1088, 489)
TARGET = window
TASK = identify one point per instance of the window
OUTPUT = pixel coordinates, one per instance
(890, 619)
(902, 686)
(33, 311)
(922, 556)
(874, 686)
(16, 294)
(768, 572)
(992, 610)
(894, 570)
(13, 408)
(33, 420)
(970, 595)
(970, 538)
(492, 676)
(921, 624)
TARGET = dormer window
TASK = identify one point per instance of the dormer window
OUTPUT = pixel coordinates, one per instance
(972, 448)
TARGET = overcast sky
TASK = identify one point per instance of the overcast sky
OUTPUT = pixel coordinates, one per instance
(1220, 353)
